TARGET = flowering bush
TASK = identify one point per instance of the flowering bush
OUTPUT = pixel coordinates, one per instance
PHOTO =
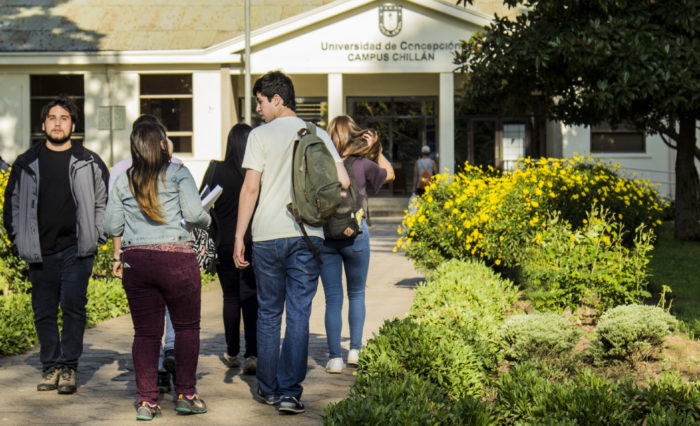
(490, 215)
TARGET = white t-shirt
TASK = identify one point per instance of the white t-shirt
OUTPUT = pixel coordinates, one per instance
(269, 151)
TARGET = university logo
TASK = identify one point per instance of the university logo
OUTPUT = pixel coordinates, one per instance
(390, 19)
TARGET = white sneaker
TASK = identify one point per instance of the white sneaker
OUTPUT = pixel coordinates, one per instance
(335, 366)
(353, 356)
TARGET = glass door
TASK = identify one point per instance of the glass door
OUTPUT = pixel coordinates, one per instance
(404, 125)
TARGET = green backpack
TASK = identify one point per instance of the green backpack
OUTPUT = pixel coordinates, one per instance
(315, 185)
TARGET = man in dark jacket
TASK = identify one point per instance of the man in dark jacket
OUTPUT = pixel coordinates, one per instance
(54, 206)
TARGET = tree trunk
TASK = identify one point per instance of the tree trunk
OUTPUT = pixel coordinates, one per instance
(687, 185)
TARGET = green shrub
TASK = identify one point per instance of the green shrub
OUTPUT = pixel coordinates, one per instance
(525, 337)
(468, 301)
(106, 299)
(526, 395)
(567, 268)
(17, 332)
(409, 400)
(631, 332)
(405, 346)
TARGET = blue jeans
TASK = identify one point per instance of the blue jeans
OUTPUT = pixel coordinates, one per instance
(354, 254)
(169, 343)
(286, 274)
(62, 278)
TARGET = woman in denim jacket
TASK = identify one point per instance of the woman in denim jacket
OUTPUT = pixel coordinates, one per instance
(147, 208)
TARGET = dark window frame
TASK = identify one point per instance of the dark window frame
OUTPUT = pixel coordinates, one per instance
(39, 96)
(603, 139)
(180, 134)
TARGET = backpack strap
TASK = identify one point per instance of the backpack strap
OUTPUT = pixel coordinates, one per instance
(293, 210)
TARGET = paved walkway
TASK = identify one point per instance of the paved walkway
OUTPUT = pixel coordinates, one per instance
(107, 389)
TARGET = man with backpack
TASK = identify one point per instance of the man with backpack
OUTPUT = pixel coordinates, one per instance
(423, 171)
(285, 267)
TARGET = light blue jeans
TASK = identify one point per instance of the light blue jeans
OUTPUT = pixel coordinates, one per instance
(169, 343)
(352, 253)
(286, 275)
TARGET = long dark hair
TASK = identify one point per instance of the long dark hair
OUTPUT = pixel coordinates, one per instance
(150, 157)
(235, 147)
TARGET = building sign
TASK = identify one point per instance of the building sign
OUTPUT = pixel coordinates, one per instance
(390, 19)
(391, 51)
(386, 38)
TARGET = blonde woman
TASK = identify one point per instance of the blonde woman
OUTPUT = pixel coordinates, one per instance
(146, 208)
(370, 169)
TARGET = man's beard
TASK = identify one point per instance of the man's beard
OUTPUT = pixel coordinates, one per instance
(59, 141)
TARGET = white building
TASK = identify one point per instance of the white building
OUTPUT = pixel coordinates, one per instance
(389, 65)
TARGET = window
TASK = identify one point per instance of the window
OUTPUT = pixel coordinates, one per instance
(169, 97)
(513, 144)
(308, 109)
(43, 88)
(619, 138)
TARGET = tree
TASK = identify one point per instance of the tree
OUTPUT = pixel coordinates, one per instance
(589, 61)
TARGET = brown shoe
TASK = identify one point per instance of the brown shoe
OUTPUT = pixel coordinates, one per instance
(49, 380)
(66, 381)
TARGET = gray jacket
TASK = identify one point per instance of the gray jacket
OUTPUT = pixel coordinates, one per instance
(88, 181)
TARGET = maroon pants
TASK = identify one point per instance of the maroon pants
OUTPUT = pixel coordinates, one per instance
(151, 280)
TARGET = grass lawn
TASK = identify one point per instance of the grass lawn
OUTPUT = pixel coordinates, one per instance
(677, 265)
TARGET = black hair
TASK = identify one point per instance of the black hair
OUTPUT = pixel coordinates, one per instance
(64, 102)
(147, 118)
(276, 83)
(235, 147)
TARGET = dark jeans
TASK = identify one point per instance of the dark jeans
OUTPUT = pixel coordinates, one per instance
(62, 278)
(286, 273)
(151, 280)
(238, 286)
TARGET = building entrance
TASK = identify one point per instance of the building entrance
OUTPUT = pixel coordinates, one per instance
(404, 124)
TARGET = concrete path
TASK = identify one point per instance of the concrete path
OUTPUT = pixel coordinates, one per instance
(107, 389)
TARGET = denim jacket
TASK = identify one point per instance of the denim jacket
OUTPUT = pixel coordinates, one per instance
(179, 200)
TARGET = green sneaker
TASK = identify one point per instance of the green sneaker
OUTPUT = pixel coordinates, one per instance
(146, 411)
(192, 405)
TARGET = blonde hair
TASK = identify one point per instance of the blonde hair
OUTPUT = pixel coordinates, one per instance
(150, 157)
(346, 135)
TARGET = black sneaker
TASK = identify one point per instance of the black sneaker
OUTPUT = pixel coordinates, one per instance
(169, 361)
(192, 405)
(163, 382)
(147, 412)
(291, 405)
(267, 399)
